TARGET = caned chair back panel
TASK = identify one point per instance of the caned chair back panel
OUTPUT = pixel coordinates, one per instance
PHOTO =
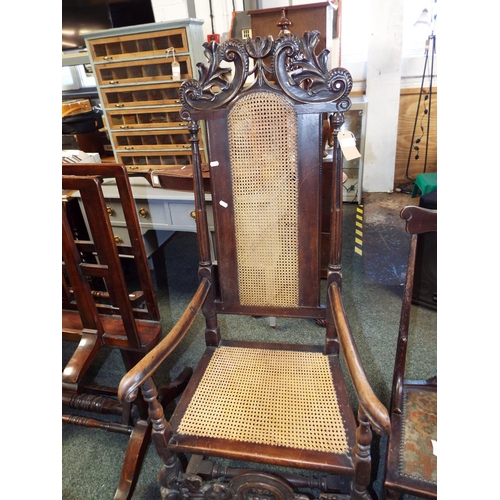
(266, 189)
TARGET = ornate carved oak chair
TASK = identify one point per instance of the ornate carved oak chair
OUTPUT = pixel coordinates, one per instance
(411, 466)
(99, 310)
(271, 404)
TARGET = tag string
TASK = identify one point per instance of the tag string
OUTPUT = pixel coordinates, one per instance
(171, 50)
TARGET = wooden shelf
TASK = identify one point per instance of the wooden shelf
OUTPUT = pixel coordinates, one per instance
(139, 97)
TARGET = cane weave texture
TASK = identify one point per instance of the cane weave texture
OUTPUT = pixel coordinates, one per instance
(273, 397)
(263, 155)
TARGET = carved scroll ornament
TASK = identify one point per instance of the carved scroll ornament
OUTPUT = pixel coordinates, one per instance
(247, 486)
(293, 65)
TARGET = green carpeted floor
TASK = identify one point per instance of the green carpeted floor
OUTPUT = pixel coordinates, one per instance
(91, 459)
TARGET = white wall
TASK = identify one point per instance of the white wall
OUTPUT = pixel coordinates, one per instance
(383, 85)
(170, 10)
(222, 12)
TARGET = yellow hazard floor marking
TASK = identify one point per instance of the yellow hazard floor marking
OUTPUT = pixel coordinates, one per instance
(358, 240)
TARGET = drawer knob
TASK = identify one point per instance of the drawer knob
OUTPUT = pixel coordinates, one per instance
(124, 126)
(118, 240)
(114, 82)
(129, 148)
(108, 58)
(119, 105)
(143, 213)
(192, 214)
(110, 210)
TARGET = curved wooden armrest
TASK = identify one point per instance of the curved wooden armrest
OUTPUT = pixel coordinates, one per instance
(375, 411)
(134, 378)
(419, 219)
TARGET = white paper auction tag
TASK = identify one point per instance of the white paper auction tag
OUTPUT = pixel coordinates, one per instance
(434, 447)
(347, 142)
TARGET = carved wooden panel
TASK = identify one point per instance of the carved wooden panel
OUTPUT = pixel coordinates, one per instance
(321, 16)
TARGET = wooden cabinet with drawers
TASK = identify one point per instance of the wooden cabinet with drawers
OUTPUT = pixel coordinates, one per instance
(161, 212)
(140, 98)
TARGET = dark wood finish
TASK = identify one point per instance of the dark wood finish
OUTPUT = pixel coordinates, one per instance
(101, 309)
(418, 221)
(180, 178)
(298, 81)
(296, 18)
(327, 134)
(326, 202)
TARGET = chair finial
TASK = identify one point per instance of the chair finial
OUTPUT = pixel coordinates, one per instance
(283, 23)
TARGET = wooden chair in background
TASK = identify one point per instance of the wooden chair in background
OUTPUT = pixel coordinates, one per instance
(274, 403)
(411, 465)
(100, 310)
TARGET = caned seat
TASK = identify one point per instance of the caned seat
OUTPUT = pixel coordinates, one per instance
(291, 420)
(278, 399)
(265, 418)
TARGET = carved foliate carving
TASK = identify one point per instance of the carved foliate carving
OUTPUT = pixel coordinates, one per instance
(303, 74)
(247, 486)
(258, 486)
(170, 480)
(293, 66)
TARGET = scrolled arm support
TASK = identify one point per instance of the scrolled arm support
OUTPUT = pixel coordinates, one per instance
(139, 374)
(374, 410)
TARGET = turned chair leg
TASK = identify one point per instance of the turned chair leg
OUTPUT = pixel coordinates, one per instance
(362, 459)
(162, 432)
(134, 456)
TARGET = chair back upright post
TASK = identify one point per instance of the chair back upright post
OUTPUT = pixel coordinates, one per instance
(76, 285)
